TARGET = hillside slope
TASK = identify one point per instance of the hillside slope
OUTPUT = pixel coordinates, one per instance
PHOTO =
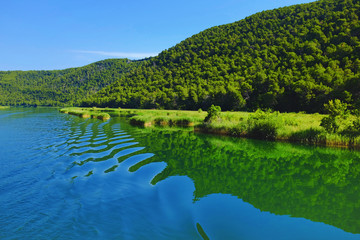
(290, 59)
(60, 87)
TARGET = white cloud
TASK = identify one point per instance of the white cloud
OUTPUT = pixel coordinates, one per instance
(118, 54)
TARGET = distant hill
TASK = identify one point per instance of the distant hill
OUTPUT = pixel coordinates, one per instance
(289, 59)
(60, 87)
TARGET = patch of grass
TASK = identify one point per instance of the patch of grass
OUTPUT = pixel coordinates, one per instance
(103, 116)
(86, 113)
(4, 107)
(293, 127)
(162, 120)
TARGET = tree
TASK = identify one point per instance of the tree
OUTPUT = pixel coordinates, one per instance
(337, 114)
(213, 114)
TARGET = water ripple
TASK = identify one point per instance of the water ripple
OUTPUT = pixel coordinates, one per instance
(96, 148)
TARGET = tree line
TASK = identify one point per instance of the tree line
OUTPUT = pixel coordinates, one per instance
(289, 59)
(60, 87)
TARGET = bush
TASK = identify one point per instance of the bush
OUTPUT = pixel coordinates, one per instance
(263, 125)
(103, 116)
(239, 130)
(262, 129)
(337, 114)
(336, 108)
(352, 131)
(213, 114)
(330, 124)
(310, 136)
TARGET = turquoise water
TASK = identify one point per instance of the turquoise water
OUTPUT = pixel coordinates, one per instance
(63, 177)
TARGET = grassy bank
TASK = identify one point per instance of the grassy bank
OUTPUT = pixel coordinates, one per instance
(144, 117)
(4, 107)
(291, 127)
(86, 113)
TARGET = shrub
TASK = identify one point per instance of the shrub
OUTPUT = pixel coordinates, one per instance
(336, 108)
(310, 136)
(161, 121)
(262, 129)
(330, 124)
(103, 116)
(352, 131)
(239, 130)
(263, 125)
(213, 114)
(337, 114)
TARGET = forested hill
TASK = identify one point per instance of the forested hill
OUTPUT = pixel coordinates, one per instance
(290, 59)
(60, 87)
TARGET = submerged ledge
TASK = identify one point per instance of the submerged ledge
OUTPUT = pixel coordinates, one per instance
(293, 127)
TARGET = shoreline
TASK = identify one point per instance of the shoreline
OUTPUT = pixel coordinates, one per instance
(297, 128)
(327, 144)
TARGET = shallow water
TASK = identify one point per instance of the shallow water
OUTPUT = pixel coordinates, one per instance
(63, 177)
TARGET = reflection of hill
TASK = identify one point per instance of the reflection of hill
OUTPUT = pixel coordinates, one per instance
(314, 183)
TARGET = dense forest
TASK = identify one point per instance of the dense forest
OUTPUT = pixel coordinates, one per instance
(59, 87)
(290, 59)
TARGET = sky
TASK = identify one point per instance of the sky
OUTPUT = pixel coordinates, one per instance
(59, 34)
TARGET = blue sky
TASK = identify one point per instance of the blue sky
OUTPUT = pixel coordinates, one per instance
(58, 34)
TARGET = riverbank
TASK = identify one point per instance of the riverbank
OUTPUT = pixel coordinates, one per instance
(86, 113)
(290, 127)
(4, 107)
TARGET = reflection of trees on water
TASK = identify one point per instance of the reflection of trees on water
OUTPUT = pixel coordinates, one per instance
(314, 183)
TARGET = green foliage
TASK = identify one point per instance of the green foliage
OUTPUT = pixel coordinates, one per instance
(309, 136)
(60, 87)
(336, 108)
(213, 114)
(86, 113)
(263, 130)
(262, 125)
(289, 59)
(102, 116)
(337, 114)
(239, 130)
(352, 131)
(295, 127)
(330, 124)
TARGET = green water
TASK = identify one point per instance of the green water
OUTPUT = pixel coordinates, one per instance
(64, 177)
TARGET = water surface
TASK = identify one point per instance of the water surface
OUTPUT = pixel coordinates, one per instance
(63, 177)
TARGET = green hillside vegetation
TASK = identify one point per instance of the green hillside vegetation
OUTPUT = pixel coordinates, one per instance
(289, 59)
(60, 87)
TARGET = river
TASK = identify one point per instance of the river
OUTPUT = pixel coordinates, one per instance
(63, 177)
